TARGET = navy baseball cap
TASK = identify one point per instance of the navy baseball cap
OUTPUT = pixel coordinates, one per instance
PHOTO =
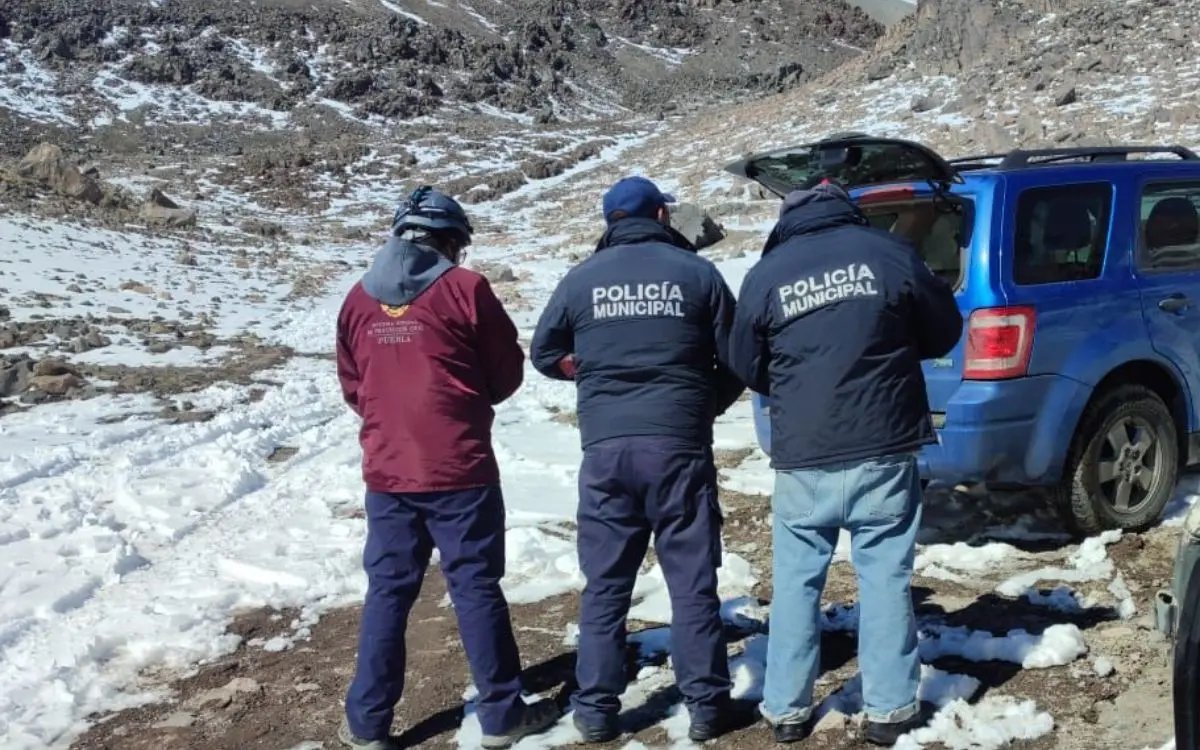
(636, 196)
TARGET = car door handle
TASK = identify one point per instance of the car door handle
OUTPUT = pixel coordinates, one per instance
(1176, 303)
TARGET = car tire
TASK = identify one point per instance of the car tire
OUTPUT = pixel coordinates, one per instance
(1145, 463)
(1186, 675)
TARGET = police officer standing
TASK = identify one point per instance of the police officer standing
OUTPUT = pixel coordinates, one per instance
(642, 327)
(832, 324)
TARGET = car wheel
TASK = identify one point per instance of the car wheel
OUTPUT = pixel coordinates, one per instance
(1186, 677)
(1123, 463)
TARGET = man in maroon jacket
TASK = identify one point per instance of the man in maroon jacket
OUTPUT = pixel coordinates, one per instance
(425, 350)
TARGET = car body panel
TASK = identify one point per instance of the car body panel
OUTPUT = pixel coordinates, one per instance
(1184, 624)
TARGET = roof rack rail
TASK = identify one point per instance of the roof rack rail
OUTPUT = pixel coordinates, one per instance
(977, 161)
(1092, 154)
(974, 158)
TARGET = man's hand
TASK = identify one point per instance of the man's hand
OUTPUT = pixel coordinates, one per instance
(566, 366)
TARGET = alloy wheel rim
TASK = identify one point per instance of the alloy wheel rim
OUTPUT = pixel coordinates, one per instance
(1131, 465)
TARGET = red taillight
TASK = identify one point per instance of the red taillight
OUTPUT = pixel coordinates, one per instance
(885, 194)
(999, 342)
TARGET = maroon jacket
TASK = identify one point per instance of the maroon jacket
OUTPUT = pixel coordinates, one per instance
(424, 371)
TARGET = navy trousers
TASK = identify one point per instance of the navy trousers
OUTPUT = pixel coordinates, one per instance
(630, 488)
(467, 527)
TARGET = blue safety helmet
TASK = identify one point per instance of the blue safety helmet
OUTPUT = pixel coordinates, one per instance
(434, 211)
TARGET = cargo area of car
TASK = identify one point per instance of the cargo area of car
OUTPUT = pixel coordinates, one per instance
(939, 227)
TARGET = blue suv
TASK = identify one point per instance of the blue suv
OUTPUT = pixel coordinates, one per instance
(1077, 271)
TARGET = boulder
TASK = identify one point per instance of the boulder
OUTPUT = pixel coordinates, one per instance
(53, 368)
(880, 69)
(1067, 94)
(14, 376)
(925, 103)
(695, 223)
(267, 229)
(160, 211)
(56, 385)
(47, 165)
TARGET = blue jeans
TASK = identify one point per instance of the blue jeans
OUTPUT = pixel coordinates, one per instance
(467, 527)
(879, 502)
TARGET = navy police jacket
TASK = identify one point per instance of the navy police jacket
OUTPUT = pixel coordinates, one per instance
(647, 321)
(832, 324)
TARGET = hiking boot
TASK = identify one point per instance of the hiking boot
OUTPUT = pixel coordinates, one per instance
(786, 734)
(347, 738)
(879, 733)
(605, 731)
(535, 718)
(732, 717)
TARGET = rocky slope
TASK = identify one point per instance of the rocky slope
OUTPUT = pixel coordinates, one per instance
(395, 62)
(966, 77)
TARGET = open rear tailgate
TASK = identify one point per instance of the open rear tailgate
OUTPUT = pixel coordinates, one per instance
(852, 161)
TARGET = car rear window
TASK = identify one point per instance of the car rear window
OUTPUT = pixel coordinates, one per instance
(850, 165)
(1061, 233)
(940, 231)
(1170, 236)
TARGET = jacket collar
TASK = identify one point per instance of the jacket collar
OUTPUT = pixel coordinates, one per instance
(815, 212)
(636, 230)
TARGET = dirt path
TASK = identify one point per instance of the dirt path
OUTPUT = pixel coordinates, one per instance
(1116, 696)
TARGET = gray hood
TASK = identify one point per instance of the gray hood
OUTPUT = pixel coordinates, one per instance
(402, 270)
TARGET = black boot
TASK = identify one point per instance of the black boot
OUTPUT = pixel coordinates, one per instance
(879, 733)
(605, 731)
(733, 716)
(786, 734)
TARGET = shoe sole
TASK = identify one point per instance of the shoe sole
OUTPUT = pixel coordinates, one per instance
(499, 743)
(347, 740)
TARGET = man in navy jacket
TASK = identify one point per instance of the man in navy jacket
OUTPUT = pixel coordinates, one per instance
(832, 325)
(642, 327)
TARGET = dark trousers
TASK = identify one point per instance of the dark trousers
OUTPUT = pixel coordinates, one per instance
(467, 527)
(630, 488)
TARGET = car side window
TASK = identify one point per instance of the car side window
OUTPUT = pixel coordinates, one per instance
(1062, 233)
(1170, 228)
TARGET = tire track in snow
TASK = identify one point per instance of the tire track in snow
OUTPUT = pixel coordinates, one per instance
(174, 612)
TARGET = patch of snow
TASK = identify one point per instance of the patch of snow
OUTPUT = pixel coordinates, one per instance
(401, 11)
(540, 564)
(965, 557)
(483, 21)
(1058, 645)
(169, 104)
(134, 356)
(993, 723)
(671, 56)
(1088, 563)
(32, 93)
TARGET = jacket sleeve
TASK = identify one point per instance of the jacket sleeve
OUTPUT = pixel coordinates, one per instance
(938, 323)
(554, 337)
(499, 351)
(729, 387)
(749, 348)
(347, 367)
